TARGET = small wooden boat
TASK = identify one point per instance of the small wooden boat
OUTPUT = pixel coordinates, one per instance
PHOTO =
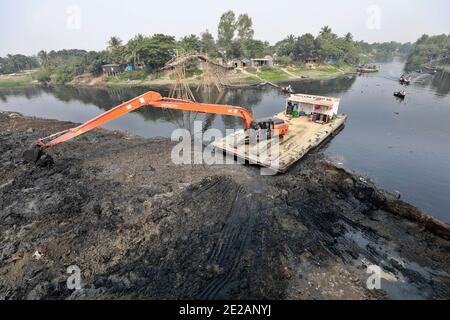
(404, 80)
(430, 70)
(287, 89)
(400, 94)
(367, 69)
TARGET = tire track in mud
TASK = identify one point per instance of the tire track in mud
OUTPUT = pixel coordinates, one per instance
(327, 230)
(228, 250)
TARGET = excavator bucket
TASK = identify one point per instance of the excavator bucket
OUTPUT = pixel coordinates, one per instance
(37, 155)
(33, 154)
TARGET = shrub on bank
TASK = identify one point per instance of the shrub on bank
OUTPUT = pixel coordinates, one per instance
(250, 69)
(62, 77)
(133, 75)
(283, 60)
(42, 75)
(193, 72)
(266, 68)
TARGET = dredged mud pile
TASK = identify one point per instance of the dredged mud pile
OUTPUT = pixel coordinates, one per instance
(139, 226)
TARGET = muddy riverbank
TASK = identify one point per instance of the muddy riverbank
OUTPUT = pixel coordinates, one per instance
(139, 226)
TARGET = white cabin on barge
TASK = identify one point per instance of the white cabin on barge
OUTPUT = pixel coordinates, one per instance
(320, 108)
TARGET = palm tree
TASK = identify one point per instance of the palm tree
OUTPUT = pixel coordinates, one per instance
(349, 37)
(43, 58)
(326, 30)
(114, 42)
(290, 38)
(115, 47)
(134, 46)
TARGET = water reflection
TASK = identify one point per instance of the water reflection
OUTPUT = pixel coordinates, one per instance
(439, 83)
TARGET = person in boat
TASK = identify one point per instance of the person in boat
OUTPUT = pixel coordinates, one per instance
(288, 89)
(400, 94)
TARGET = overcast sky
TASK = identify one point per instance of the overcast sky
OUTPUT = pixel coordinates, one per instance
(27, 26)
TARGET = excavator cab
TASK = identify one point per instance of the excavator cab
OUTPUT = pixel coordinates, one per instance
(269, 127)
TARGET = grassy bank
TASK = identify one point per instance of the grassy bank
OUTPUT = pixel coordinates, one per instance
(296, 72)
(272, 74)
(320, 71)
(14, 83)
(17, 80)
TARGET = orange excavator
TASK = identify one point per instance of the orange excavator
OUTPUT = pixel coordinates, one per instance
(269, 127)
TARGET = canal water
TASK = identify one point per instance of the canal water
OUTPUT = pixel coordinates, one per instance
(403, 145)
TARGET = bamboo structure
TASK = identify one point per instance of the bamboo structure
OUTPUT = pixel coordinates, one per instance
(180, 89)
(212, 78)
(212, 81)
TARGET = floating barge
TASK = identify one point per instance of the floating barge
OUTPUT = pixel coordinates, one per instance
(311, 119)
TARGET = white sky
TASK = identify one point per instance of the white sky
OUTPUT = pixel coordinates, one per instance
(27, 26)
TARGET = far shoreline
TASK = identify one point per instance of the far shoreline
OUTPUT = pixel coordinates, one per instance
(27, 79)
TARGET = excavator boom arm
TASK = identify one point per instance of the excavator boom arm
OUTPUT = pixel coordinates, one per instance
(153, 99)
(188, 105)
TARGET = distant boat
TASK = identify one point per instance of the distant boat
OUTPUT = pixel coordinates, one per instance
(287, 89)
(404, 80)
(400, 94)
(363, 69)
(430, 70)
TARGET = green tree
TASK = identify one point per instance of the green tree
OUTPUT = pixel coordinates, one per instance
(326, 47)
(190, 43)
(43, 58)
(235, 50)
(429, 50)
(208, 44)
(255, 48)
(135, 48)
(157, 50)
(114, 42)
(17, 62)
(244, 27)
(326, 32)
(116, 49)
(226, 30)
(286, 47)
(305, 46)
(349, 37)
(95, 61)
